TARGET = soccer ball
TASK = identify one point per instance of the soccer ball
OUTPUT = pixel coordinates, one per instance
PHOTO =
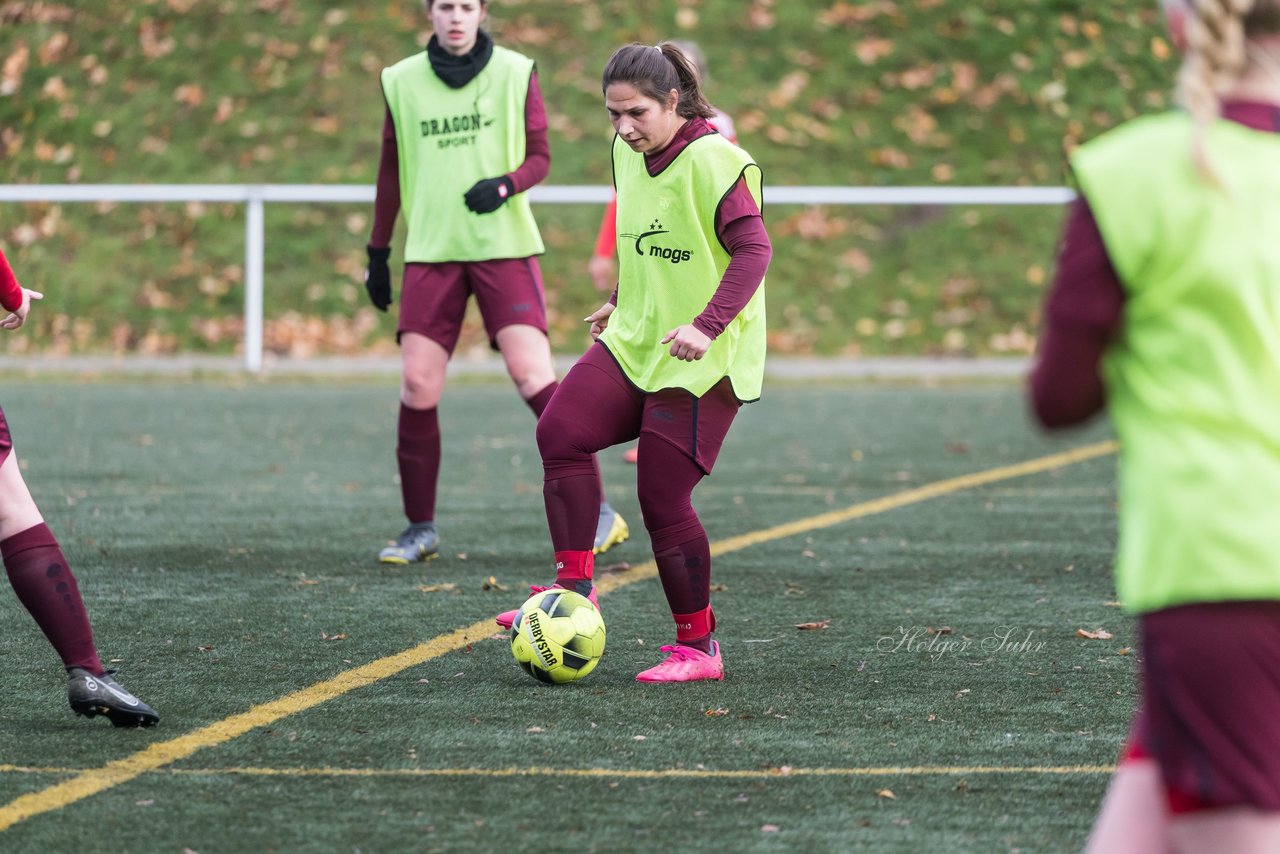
(557, 636)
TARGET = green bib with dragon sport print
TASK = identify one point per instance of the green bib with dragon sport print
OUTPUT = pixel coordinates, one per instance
(448, 139)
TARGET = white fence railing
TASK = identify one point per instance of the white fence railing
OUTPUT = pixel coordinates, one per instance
(254, 196)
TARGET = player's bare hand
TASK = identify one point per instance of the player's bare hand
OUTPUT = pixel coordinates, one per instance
(687, 343)
(599, 319)
(600, 268)
(19, 317)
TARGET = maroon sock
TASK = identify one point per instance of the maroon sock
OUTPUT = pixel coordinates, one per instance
(685, 572)
(540, 400)
(46, 587)
(573, 508)
(418, 452)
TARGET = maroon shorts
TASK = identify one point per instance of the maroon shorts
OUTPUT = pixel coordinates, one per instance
(612, 410)
(1210, 706)
(6, 441)
(508, 291)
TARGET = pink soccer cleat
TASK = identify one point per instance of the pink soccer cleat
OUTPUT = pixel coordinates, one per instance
(686, 664)
(506, 618)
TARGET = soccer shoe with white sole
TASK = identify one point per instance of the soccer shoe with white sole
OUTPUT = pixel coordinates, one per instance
(417, 542)
(611, 530)
(91, 695)
(586, 588)
(686, 664)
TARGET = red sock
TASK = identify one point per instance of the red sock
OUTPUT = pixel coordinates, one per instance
(46, 587)
(418, 452)
(695, 629)
(574, 566)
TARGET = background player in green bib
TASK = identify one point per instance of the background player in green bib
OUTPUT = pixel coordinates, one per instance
(1166, 306)
(465, 136)
(679, 347)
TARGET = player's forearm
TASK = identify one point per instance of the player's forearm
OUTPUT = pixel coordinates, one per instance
(10, 291)
(386, 203)
(750, 250)
(537, 150)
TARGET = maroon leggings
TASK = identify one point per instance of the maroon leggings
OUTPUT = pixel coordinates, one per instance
(680, 436)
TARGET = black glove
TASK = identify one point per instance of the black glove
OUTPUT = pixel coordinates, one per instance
(489, 195)
(377, 277)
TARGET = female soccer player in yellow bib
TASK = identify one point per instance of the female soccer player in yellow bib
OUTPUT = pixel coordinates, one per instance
(1166, 306)
(465, 136)
(679, 348)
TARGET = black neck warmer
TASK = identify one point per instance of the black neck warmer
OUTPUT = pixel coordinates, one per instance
(458, 71)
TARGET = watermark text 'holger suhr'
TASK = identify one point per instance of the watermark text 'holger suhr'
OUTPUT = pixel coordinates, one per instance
(935, 643)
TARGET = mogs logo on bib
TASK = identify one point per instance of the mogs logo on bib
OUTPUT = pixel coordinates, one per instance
(654, 249)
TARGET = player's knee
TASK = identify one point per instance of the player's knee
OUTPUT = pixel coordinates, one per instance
(421, 389)
(668, 530)
(560, 438)
(530, 379)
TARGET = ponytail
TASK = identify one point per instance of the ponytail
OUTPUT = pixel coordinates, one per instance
(655, 71)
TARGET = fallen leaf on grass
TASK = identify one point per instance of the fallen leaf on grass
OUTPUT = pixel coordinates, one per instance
(491, 583)
(535, 729)
(719, 588)
(940, 630)
(328, 637)
(206, 647)
(821, 624)
(1097, 634)
(887, 794)
(146, 803)
(1124, 650)
(448, 587)
(769, 828)
(716, 713)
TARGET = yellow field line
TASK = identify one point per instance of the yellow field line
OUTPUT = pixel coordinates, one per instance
(613, 773)
(158, 755)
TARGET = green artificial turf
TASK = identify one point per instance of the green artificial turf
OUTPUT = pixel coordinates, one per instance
(224, 535)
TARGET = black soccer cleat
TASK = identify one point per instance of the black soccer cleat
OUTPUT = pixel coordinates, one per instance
(91, 695)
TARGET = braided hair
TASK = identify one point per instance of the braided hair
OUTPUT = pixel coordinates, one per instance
(1217, 52)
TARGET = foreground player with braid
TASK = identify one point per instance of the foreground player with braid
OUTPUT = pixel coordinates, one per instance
(39, 572)
(1166, 306)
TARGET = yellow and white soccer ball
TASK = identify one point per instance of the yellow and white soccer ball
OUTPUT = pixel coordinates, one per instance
(557, 636)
